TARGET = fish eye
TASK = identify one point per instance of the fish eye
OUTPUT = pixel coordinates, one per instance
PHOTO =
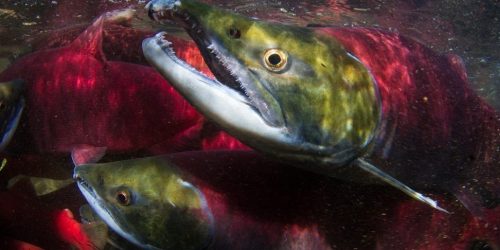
(234, 33)
(275, 59)
(123, 197)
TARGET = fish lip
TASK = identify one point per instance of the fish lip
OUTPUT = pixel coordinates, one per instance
(80, 181)
(228, 70)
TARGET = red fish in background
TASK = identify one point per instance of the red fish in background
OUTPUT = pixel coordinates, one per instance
(75, 96)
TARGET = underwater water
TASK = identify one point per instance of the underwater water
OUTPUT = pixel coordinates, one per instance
(78, 91)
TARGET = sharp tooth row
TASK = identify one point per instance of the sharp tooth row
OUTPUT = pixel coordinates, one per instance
(226, 64)
(159, 15)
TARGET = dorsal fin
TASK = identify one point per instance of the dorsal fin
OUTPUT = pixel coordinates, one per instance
(86, 154)
(90, 40)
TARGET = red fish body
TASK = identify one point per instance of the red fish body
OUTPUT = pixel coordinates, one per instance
(435, 131)
(76, 96)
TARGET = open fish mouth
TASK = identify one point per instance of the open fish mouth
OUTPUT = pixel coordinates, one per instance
(228, 70)
(239, 100)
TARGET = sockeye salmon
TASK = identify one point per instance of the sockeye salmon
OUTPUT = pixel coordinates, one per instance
(122, 106)
(338, 100)
(242, 200)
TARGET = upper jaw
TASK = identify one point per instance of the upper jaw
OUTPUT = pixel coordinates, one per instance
(226, 68)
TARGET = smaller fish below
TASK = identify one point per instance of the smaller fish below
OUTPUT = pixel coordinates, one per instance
(148, 202)
(11, 107)
(247, 202)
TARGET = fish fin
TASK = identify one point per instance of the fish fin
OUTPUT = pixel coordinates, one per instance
(97, 232)
(41, 186)
(90, 40)
(458, 65)
(366, 166)
(86, 154)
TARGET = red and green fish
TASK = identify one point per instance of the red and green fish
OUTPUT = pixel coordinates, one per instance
(340, 101)
(75, 95)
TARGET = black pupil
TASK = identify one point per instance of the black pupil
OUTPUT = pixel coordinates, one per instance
(122, 198)
(235, 33)
(274, 59)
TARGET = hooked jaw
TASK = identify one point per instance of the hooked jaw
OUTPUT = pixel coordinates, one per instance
(209, 96)
(232, 99)
(238, 100)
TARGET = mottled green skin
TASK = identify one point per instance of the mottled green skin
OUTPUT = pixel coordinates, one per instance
(325, 96)
(163, 213)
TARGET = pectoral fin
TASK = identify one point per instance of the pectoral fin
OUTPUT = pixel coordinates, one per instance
(366, 166)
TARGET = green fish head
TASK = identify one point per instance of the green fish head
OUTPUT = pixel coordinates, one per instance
(308, 97)
(147, 202)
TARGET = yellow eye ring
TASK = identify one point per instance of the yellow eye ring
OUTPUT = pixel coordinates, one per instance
(123, 198)
(275, 60)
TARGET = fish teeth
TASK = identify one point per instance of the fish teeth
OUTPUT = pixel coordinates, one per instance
(226, 64)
